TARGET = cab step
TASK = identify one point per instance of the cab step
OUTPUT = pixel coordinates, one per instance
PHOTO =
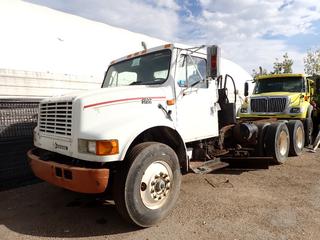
(208, 166)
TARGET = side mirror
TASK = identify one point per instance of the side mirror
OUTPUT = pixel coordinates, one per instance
(246, 89)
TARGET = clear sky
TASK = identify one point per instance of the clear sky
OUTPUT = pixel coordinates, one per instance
(251, 33)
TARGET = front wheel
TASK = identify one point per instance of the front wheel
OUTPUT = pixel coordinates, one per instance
(277, 142)
(147, 189)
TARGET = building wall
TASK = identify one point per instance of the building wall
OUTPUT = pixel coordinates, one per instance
(27, 84)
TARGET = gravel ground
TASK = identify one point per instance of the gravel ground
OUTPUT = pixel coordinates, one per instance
(282, 202)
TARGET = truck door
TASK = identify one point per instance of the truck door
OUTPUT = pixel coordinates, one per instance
(197, 116)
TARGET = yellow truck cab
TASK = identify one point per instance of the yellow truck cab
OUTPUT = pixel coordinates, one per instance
(282, 96)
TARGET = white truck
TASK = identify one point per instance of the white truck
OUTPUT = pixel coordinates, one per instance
(159, 111)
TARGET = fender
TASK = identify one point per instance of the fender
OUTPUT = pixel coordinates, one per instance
(124, 122)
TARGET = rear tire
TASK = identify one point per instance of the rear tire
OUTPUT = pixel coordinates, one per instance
(277, 142)
(297, 137)
(146, 190)
(308, 128)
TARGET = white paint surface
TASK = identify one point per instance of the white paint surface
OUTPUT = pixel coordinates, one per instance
(60, 52)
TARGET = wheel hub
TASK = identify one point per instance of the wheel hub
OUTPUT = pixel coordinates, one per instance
(299, 138)
(155, 185)
(283, 143)
(160, 186)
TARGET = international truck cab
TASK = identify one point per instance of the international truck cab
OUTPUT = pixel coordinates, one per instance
(283, 96)
(159, 112)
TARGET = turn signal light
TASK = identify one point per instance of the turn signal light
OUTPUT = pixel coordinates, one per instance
(171, 102)
(107, 147)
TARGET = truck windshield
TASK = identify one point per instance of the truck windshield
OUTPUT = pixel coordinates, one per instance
(280, 84)
(149, 69)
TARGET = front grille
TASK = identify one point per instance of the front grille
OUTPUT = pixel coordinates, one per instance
(56, 118)
(268, 105)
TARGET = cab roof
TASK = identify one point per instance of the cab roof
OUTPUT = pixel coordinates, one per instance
(283, 75)
(136, 54)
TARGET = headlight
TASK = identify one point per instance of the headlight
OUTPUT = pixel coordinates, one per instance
(92, 147)
(295, 110)
(243, 110)
(100, 147)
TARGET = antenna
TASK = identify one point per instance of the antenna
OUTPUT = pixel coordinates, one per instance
(144, 45)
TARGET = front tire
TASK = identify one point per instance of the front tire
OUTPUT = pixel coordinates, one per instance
(297, 137)
(146, 190)
(277, 142)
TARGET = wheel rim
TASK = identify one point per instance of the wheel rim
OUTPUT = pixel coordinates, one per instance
(156, 184)
(283, 143)
(299, 138)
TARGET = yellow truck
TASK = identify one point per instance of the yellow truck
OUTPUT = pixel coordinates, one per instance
(291, 97)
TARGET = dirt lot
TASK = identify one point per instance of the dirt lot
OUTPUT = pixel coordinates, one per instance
(280, 203)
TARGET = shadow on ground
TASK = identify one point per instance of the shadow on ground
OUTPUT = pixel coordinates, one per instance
(46, 211)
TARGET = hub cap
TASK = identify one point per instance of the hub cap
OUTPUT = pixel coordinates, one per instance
(299, 138)
(156, 184)
(283, 143)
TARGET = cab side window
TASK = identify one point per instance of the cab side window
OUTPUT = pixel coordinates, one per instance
(196, 71)
(191, 71)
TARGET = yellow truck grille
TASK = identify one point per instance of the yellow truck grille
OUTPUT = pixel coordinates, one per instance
(268, 105)
(56, 118)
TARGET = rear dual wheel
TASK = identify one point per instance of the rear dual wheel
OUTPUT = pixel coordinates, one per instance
(308, 127)
(297, 137)
(277, 142)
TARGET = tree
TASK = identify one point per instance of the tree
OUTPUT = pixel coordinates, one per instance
(261, 71)
(312, 62)
(284, 66)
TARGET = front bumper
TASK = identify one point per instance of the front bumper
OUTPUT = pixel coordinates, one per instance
(78, 179)
(276, 115)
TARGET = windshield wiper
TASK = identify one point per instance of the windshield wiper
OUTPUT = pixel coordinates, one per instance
(152, 82)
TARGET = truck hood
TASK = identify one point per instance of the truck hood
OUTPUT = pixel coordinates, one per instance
(90, 97)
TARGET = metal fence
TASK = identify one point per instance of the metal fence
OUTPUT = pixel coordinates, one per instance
(18, 118)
